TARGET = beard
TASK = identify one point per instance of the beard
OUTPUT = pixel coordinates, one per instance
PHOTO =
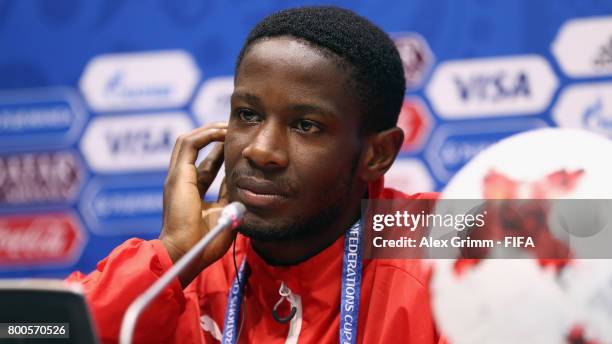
(334, 203)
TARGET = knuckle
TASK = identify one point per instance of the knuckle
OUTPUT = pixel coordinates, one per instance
(180, 139)
(217, 124)
(188, 140)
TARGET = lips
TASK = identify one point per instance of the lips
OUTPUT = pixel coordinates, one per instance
(260, 193)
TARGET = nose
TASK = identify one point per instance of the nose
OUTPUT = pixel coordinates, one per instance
(267, 150)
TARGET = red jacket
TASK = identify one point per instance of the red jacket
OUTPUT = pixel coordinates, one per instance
(395, 301)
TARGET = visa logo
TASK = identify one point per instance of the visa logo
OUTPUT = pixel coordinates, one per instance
(139, 141)
(494, 87)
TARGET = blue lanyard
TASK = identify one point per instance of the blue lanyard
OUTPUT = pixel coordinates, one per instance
(234, 301)
(351, 285)
(349, 298)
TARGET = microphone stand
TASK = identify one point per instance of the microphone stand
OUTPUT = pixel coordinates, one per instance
(230, 218)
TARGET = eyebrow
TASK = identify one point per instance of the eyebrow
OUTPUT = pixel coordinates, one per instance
(249, 97)
(309, 108)
(301, 108)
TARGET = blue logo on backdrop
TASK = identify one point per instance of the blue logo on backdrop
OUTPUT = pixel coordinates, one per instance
(453, 145)
(595, 118)
(494, 87)
(140, 141)
(42, 118)
(132, 142)
(139, 80)
(117, 87)
(114, 207)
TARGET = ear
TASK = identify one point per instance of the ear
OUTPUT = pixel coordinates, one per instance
(379, 153)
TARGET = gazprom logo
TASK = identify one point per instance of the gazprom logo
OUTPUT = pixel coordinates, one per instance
(137, 81)
(491, 87)
(116, 87)
(586, 106)
(133, 142)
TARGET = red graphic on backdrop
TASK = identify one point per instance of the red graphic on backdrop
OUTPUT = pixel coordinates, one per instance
(415, 121)
(41, 238)
(39, 177)
(416, 56)
(520, 209)
(555, 184)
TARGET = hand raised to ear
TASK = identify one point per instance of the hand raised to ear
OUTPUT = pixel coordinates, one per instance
(186, 217)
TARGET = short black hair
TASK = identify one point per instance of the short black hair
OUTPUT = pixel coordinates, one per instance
(375, 66)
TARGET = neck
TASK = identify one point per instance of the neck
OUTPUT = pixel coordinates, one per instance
(293, 252)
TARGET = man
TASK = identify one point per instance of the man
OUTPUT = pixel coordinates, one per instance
(311, 132)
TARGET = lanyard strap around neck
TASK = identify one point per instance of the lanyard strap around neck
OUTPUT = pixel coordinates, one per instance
(351, 285)
(349, 294)
(234, 301)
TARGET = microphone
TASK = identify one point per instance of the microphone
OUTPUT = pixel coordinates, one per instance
(230, 218)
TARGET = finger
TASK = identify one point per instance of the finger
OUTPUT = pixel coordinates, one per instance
(209, 168)
(177, 144)
(190, 145)
(176, 148)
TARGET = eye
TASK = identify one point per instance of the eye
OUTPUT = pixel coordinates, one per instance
(247, 115)
(307, 126)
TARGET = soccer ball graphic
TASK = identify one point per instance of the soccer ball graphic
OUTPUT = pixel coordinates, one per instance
(530, 295)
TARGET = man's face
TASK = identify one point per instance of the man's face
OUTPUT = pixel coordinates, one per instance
(293, 141)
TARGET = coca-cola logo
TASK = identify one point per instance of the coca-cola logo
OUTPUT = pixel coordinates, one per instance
(49, 238)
